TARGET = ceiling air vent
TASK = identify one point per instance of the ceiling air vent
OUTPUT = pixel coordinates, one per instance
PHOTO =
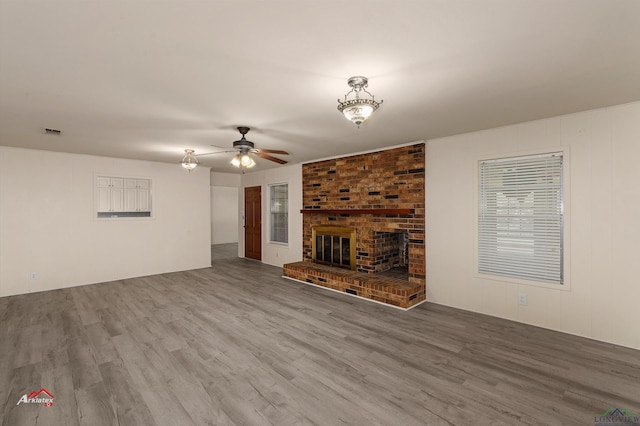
(49, 131)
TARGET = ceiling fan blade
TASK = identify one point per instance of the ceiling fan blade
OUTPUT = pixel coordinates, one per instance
(273, 151)
(216, 152)
(270, 158)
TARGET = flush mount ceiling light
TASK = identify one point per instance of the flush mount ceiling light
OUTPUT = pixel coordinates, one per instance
(358, 109)
(189, 161)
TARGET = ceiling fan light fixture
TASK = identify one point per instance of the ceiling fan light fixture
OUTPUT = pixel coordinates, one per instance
(247, 161)
(355, 108)
(243, 161)
(243, 150)
(189, 161)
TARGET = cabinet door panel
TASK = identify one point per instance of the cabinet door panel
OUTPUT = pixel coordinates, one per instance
(103, 181)
(117, 182)
(144, 201)
(117, 199)
(130, 199)
(104, 198)
(130, 183)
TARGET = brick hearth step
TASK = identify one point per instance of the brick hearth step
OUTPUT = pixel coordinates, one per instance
(391, 291)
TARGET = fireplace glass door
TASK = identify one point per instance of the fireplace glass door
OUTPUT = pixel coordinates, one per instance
(333, 250)
(334, 246)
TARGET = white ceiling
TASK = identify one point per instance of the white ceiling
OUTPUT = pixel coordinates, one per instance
(145, 80)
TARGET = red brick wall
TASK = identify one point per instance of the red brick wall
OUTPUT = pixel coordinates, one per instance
(387, 251)
(389, 179)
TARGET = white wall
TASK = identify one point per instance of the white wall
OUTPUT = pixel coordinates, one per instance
(48, 224)
(224, 214)
(603, 215)
(226, 179)
(274, 253)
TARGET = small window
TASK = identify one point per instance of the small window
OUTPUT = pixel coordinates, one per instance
(279, 213)
(520, 220)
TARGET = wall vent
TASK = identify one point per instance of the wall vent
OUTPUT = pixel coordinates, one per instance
(50, 131)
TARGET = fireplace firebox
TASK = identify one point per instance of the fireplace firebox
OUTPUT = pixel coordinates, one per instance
(334, 246)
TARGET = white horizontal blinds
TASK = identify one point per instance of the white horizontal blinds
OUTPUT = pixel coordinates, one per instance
(520, 217)
(279, 213)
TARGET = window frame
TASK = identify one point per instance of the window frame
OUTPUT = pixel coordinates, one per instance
(270, 237)
(565, 229)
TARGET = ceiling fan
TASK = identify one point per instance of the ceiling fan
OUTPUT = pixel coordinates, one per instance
(244, 148)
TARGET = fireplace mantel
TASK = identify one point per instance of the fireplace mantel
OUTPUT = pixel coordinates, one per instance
(358, 211)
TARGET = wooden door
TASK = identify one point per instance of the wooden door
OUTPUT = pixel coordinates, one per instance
(253, 222)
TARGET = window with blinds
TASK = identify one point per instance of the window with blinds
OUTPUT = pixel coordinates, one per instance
(279, 211)
(520, 218)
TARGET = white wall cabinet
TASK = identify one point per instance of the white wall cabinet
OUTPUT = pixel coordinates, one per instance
(136, 195)
(123, 197)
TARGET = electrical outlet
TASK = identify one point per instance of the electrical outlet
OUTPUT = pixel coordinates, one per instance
(34, 275)
(522, 299)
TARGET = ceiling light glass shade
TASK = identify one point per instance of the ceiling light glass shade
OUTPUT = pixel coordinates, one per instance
(357, 109)
(245, 160)
(189, 161)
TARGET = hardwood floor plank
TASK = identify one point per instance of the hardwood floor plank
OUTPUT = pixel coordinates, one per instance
(165, 407)
(94, 407)
(101, 344)
(23, 380)
(126, 399)
(84, 368)
(59, 382)
(28, 348)
(111, 322)
(86, 305)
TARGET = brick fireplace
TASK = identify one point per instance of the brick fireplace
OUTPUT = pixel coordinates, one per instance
(381, 196)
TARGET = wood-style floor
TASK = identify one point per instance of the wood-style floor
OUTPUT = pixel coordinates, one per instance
(237, 344)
